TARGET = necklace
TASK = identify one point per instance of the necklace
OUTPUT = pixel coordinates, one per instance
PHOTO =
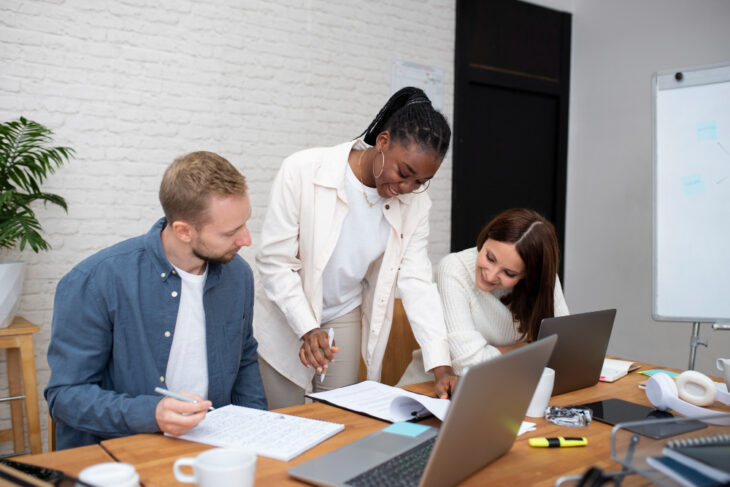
(359, 176)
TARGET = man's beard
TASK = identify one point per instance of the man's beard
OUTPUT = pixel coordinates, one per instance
(218, 259)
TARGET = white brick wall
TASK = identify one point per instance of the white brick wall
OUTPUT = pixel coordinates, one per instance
(131, 84)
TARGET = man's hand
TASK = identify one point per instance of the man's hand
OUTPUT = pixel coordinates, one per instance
(178, 417)
(316, 351)
(446, 381)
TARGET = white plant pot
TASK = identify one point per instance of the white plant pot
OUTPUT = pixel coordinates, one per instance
(11, 287)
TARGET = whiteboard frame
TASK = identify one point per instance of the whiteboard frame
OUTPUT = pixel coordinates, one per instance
(665, 80)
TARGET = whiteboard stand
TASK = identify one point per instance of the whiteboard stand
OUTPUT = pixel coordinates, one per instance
(695, 342)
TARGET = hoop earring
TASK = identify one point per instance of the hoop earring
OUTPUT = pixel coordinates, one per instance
(381, 167)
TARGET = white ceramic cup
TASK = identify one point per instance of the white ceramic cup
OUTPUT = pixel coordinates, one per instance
(723, 364)
(110, 474)
(219, 467)
(542, 394)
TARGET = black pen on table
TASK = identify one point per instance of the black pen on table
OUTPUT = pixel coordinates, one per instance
(177, 396)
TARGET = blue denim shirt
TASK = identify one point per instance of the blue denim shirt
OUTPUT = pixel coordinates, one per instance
(109, 342)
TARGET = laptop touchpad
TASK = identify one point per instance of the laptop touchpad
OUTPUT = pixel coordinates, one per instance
(387, 443)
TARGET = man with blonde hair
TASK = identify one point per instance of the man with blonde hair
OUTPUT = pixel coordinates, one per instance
(171, 308)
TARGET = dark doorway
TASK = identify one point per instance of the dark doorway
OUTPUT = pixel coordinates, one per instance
(510, 114)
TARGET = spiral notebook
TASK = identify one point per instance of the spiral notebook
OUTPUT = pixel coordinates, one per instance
(681, 473)
(707, 454)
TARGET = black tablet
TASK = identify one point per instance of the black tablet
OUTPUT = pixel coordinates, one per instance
(614, 411)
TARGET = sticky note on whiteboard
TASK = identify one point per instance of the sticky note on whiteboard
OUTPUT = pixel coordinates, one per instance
(693, 184)
(707, 130)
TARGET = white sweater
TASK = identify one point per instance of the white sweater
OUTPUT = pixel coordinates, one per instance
(477, 322)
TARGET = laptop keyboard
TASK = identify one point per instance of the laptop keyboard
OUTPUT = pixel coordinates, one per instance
(402, 470)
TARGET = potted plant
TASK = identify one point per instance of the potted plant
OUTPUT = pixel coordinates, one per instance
(26, 160)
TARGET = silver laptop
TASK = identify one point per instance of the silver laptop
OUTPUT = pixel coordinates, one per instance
(482, 423)
(582, 343)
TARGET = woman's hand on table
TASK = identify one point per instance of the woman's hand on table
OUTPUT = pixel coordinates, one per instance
(316, 351)
(446, 380)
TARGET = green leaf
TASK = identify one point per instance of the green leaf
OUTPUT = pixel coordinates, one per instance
(26, 160)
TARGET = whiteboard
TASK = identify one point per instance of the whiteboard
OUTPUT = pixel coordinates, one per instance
(692, 194)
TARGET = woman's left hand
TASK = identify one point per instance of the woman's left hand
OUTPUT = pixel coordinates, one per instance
(316, 351)
(446, 381)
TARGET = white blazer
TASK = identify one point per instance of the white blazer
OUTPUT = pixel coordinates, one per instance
(303, 222)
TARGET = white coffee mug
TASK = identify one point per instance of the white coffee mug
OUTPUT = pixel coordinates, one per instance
(542, 394)
(723, 364)
(219, 467)
(112, 474)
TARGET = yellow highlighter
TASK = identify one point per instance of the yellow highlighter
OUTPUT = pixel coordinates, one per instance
(558, 442)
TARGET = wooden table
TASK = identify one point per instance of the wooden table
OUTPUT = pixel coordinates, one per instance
(153, 454)
(70, 461)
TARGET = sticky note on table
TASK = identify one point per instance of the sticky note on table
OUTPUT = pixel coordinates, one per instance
(406, 429)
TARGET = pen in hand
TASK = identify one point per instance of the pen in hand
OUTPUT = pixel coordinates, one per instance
(177, 396)
(331, 337)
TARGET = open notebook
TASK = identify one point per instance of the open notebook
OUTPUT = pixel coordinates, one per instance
(384, 402)
(613, 369)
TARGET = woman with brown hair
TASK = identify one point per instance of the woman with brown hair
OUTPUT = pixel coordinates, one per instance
(494, 295)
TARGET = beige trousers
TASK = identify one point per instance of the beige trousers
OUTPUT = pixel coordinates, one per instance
(343, 371)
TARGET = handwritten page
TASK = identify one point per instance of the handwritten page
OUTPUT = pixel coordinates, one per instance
(384, 402)
(270, 434)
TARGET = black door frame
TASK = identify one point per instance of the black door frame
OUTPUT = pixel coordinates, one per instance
(464, 73)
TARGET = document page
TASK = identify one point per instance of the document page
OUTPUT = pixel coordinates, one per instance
(274, 435)
(384, 402)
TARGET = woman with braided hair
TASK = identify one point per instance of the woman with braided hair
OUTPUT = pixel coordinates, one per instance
(346, 226)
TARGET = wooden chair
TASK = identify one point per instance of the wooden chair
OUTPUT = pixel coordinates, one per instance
(398, 352)
(17, 340)
(51, 434)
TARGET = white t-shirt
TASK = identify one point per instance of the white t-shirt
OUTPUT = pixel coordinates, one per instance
(187, 366)
(363, 239)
